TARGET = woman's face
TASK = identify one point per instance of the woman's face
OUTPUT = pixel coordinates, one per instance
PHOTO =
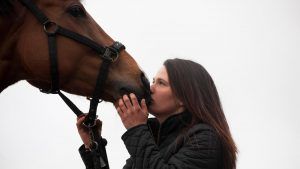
(164, 102)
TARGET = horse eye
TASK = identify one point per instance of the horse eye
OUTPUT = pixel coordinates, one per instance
(76, 11)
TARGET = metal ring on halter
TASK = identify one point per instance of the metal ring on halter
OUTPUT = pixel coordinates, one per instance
(90, 125)
(50, 27)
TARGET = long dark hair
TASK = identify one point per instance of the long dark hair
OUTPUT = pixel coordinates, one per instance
(195, 88)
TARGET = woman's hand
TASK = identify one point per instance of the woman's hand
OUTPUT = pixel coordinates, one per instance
(83, 131)
(131, 113)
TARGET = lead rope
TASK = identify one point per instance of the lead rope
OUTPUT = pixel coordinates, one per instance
(93, 148)
(97, 148)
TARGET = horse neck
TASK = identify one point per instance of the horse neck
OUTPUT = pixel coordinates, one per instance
(10, 65)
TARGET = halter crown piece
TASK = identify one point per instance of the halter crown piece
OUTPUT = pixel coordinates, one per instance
(108, 54)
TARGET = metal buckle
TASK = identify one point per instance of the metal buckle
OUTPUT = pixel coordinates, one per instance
(113, 59)
(50, 27)
(110, 54)
(94, 146)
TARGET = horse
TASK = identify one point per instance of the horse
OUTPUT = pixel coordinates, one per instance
(24, 52)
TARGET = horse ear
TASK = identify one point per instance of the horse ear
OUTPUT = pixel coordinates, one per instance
(6, 6)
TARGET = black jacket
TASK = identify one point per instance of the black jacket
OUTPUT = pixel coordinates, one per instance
(171, 145)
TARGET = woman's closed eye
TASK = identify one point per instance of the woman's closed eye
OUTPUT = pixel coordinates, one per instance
(161, 83)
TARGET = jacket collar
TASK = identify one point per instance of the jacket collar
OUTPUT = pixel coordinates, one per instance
(174, 123)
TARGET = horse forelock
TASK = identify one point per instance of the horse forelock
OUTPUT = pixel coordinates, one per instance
(6, 7)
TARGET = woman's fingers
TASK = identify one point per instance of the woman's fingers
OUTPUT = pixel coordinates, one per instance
(127, 105)
(122, 106)
(80, 120)
(80, 116)
(134, 101)
(127, 102)
(144, 106)
(130, 111)
(120, 111)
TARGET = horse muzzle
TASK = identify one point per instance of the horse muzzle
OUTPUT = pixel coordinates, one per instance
(142, 92)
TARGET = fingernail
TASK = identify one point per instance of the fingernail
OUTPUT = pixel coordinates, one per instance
(81, 115)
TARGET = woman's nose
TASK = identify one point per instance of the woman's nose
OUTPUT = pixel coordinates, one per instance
(151, 88)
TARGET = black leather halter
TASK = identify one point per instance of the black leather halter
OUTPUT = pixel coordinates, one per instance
(107, 54)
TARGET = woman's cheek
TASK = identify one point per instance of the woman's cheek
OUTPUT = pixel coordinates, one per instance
(154, 107)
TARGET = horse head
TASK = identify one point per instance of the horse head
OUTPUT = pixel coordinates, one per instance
(24, 52)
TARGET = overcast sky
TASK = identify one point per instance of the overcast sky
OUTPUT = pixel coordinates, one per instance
(251, 48)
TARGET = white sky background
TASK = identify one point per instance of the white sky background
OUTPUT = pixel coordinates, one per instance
(250, 48)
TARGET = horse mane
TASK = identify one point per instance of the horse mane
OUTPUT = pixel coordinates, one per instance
(6, 7)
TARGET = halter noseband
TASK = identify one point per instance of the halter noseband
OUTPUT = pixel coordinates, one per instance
(108, 54)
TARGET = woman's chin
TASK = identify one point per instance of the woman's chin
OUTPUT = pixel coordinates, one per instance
(150, 109)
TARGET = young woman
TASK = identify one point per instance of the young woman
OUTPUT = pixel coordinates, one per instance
(189, 130)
